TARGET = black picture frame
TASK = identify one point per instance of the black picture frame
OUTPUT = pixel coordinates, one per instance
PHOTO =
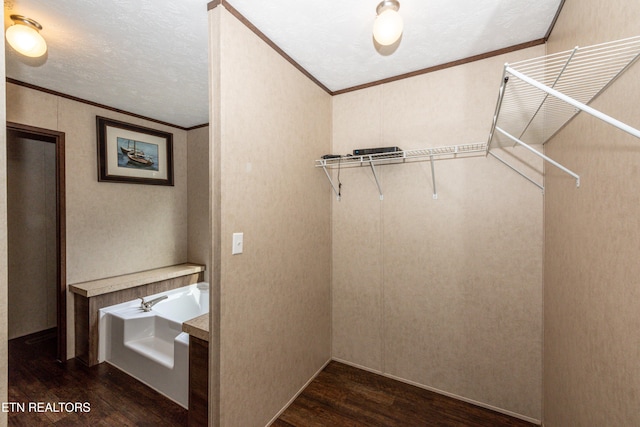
(133, 154)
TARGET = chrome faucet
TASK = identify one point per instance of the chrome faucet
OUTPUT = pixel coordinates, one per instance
(146, 305)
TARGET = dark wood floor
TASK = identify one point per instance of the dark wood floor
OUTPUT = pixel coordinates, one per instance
(340, 396)
(348, 397)
(115, 398)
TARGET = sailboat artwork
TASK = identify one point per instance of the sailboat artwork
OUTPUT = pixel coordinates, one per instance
(133, 154)
(137, 154)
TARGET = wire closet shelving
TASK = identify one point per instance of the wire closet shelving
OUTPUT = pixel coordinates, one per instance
(538, 97)
(423, 154)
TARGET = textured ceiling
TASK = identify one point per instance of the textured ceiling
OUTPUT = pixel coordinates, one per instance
(141, 56)
(333, 41)
(149, 57)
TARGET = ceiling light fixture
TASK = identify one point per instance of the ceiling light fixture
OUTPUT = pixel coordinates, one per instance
(387, 27)
(25, 38)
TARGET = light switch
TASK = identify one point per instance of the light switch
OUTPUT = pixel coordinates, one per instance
(237, 243)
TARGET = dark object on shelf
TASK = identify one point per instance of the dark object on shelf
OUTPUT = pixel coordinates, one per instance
(367, 151)
(331, 156)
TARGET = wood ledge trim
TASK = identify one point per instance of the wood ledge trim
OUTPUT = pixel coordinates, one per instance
(108, 285)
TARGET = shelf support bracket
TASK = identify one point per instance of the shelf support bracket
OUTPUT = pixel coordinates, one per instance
(516, 171)
(539, 154)
(566, 64)
(335, 190)
(505, 80)
(375, 176)
(433, 177)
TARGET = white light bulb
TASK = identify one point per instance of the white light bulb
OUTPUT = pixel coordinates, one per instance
(387, 27)
(26, 40)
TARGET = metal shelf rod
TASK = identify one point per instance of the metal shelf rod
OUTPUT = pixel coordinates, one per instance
(564, 67)
(516, 171)
(505, 80)
(433, 178)
(539, 154)
(375, 175)
(324, 167)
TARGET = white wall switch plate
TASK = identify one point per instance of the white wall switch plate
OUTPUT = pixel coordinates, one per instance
(237, 243)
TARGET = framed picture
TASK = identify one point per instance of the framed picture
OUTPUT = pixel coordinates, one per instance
(133, 154)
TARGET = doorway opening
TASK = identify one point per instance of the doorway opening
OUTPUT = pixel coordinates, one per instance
(36, 233)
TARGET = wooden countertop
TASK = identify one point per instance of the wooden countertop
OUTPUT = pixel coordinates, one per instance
(127, 281)
(198, 327)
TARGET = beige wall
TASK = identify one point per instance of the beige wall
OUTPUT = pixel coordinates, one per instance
(198, 206)
(592, 235)
(275, 297)
(100, 216)
(443, 293)
(200, 240)
(3, 240)
(215, 214)
(31, 220)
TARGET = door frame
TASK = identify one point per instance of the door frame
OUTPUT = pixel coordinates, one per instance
(57, 138)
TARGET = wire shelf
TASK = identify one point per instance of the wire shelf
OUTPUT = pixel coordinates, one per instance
(539, 96)
(534, 115)
(422, 154)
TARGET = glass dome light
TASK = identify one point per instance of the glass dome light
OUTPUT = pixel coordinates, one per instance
(387, 27)
(24, 37)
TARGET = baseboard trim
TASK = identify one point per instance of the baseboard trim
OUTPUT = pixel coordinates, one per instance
(442, 392)
(313, 377)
